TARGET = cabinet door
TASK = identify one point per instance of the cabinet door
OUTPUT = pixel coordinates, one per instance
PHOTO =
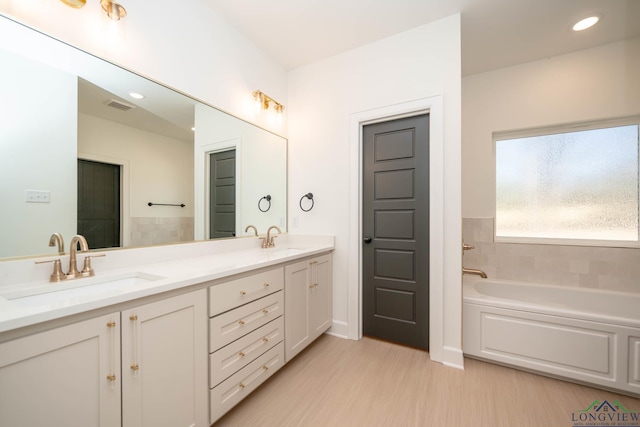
(321, 302)
(68, 376)
(164, 363)
(296, 308)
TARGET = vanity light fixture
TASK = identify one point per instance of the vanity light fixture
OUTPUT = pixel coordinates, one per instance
(114, 10)
(263, 100)
(585, 23)
(76, 4)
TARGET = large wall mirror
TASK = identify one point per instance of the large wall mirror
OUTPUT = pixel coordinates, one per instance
(79, 154)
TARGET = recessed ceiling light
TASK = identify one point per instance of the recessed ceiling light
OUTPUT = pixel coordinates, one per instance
(585, 23)
(136, 95)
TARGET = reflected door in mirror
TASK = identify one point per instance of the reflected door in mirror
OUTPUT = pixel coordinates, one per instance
(222, 194)
(99, 203)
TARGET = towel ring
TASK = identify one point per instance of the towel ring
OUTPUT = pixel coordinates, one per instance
(310, 197)
(268, 199)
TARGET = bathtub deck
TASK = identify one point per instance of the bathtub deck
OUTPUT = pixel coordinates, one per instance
(371, 383)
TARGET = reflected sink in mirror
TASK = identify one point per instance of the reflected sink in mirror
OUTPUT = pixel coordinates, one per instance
(79, 290)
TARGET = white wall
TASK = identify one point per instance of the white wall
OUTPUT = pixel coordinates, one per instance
(598, 83)
(168, 178)
(323, 97)
(188, 47)
(48, 132)
(261, 165)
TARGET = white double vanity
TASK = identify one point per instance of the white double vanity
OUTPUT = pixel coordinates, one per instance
(170, 335)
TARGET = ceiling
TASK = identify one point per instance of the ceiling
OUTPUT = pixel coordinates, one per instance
(495, 33)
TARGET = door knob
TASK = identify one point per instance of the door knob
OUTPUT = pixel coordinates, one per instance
(367, 239)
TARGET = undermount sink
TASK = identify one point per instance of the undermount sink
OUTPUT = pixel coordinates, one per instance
(78, 290)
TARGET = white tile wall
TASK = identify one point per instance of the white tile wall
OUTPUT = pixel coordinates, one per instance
(583, 266)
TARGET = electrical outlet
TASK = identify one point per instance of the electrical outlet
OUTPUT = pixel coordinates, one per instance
(37, 196)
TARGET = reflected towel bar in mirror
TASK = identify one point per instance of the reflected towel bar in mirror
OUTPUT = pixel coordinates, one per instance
(182, 205)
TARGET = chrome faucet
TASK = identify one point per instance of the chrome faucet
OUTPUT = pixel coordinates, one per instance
(267, 242)
(467, 247)
(255, 230)
(73, 265)
(57, 238)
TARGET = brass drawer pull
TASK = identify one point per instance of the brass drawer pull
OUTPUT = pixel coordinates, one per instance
(265, 311)
(134, 367)
(265, 367)
(241, 385)
(241, 354)
(264, 285)
(111, 324)
(133, 317)
(265, 339)
(241, 322)
(111, 377)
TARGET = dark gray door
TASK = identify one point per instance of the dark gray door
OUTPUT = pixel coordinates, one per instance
(396, 231)
(99, 203)
(222, 194)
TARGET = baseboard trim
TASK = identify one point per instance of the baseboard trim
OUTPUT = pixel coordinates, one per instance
(453, 357)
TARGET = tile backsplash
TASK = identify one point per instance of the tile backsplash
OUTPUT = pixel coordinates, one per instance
(582, 266)
(159, 230)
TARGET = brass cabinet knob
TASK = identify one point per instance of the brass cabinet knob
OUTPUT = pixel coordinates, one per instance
(241, 354)
(111, 377)
(243, 293)
(241, 322)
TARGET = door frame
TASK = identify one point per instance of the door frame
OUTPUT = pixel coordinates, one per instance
(434, 106)
(125, 193)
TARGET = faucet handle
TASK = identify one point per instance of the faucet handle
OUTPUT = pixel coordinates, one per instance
(57, 274)
(87, 270)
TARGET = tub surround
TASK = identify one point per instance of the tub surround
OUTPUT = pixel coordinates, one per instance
(590, 336)
(616, 269)
(171, 267)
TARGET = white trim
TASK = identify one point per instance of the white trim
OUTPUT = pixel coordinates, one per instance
(434, 106)
(125, 214)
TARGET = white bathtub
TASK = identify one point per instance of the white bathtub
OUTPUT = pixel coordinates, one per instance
(584, 335)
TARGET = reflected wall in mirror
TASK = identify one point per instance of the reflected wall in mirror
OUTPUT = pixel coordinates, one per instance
(61, 105)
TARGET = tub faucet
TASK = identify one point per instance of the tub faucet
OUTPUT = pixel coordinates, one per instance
(474, 271)
(467, 247)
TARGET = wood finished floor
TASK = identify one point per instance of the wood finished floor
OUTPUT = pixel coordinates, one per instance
(337, 382)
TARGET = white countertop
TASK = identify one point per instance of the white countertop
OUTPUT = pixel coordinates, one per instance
(138, 281)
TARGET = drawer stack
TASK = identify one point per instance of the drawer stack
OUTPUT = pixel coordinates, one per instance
(246, 332)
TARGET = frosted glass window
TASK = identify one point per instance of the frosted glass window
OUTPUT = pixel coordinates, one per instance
(572, 185)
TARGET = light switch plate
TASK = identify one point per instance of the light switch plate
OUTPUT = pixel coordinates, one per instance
(37, 196)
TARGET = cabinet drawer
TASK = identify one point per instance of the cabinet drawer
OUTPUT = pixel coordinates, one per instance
(239, 353)
(234, 324)
(231, 391)
(228, 295)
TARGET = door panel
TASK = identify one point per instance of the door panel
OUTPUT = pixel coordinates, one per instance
(396, 217)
